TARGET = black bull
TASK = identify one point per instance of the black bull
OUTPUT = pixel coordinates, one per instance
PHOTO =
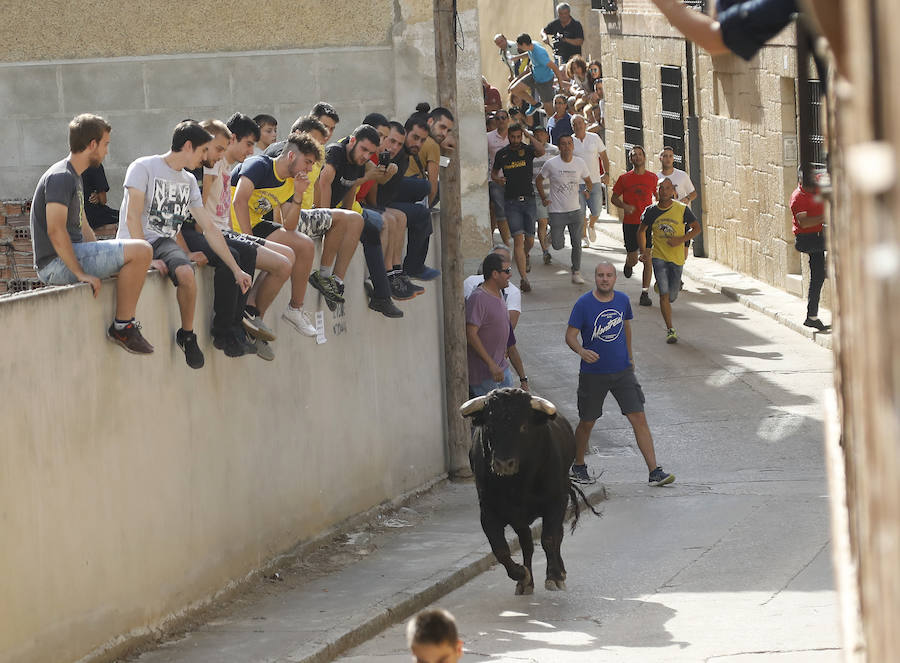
(520, 456)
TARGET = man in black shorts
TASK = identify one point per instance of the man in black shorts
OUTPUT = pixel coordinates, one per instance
(603, 318)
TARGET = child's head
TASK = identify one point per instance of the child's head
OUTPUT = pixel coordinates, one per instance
(268, 129)
(433, 638)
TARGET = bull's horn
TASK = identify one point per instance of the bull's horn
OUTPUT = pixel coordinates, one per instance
(543, 405)
(473, 405)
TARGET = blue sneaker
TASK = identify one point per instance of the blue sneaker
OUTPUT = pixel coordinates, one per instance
(579, 474)
(427, 274)
(660, 478)
(532, 109)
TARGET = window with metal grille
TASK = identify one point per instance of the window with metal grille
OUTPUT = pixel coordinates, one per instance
(815, 116)
(673, 112)
(631, 104)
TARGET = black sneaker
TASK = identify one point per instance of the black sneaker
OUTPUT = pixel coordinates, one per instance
(628, 270)
(547, 258)
(579, 474)
(187, 341)
(385, 307)
(399, 289)
(816, 324)
(645, 299)
(229, 344)
(331, 290)
(130, 338)
(416, 290)
(660, 478)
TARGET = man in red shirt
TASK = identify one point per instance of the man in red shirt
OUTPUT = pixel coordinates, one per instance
(633, 192)
(809, 238)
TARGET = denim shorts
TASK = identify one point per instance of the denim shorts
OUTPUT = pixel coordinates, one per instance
(101, 259)
(497, 199)
(668, 277)
(521, 216)
(540, 209)
(373, 218)
(488, 385)
(593, 387)
(595, 201)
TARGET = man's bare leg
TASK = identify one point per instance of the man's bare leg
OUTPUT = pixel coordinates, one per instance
(643, 438)
(582, 435)
(186, 294)
(277, 262)
(304, 254)
(130, 281)
(339, 248)
(519, 253)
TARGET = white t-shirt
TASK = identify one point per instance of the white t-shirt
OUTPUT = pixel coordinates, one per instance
(681, 180)
(512, 294)
(218, 199)
(169, 195)
(562, 180)
(495, 142)
(550, 151)
(590, 150)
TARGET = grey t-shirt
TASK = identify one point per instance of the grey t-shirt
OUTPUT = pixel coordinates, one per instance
(60, 184)
(169, 196)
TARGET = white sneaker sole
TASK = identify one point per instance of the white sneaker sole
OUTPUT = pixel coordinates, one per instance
(303, 329)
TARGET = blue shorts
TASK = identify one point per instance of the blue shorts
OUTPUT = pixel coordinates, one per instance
(540, 209)
(668, 277)
(373, 218)
(101, 259)
(497, 199)
(521, 215)
(594, 201)
(489, 384)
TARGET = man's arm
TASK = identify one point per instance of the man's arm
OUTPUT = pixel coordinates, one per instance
(323, 185)
(87, 233)
(616, 199)
(475, 343)
(701, 29)
(434, 169)
(241, 204)
(689, 198)
(589, 356)
(628, 342)
(209, 181)
(684, 239)
(216, 242)
(57, 215)
(804, 220)
(642, 237)
(516, 360)
(135, 205)
(539, 185)
(604, 159)
(498, 176)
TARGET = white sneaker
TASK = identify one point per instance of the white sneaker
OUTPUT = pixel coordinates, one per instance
(300, 320)
(585, 244)
(576, 278)
(592, 234)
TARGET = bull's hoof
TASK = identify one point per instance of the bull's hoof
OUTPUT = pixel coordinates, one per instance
(555, 585)
(525, 586)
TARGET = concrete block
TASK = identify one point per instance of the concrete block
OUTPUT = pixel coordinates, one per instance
(97, 88)
(28, 91)
(370, 71)
(9, 144)
(140, 134)
(19, 182)
(186, 83)
(44, 141)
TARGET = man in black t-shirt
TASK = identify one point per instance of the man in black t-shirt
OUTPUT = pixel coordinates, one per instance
(570, 31)
(96, 210)
(341, 176)
(513, 170)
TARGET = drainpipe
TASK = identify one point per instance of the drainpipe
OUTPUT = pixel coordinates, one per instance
(694, 148)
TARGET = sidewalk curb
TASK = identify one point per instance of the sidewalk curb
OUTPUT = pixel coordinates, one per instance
(759, 303)
(411, 599)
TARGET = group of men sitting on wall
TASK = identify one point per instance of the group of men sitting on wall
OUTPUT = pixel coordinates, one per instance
(231, 196)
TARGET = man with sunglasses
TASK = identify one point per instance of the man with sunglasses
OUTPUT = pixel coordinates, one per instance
(488, 331)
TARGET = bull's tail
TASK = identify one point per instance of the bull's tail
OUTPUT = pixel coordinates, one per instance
(574, 493)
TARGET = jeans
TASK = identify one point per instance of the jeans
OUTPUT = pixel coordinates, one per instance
(374, 254)
(574, 221)
(595, 201)
(816, 281)
(489, 384)
(668, 277)
(100, 259)
(418, 230)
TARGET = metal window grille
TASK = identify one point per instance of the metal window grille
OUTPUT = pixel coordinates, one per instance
(816, 139)
(673, 112)
(631, 104)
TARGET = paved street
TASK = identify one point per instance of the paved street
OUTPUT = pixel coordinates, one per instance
(731, 562)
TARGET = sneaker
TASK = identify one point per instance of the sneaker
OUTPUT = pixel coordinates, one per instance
(681, 286)
(585, 244)
(416, 290)
(229, 343)
(524, 285)
(427, 274)
(263, 349)
(255, 325)
(645, 299)
(329, 287)
(130, 338)
(247, 341)
(656, 288)
(592, 234)
(671, 336)
(660, 478)
(531, 109)
(816, 324)
(385, 307)
(301, 321)
(187, 341)
(547, 258)
(369, 288)
(527, 262)
(399, 289)
(628, 270)
(579, 474)
(576, 278)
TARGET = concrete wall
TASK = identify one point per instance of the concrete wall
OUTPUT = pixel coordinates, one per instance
(133, 487)
(145, 80)
(748, 132)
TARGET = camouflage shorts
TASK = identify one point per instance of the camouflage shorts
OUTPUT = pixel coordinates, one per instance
(314, 222)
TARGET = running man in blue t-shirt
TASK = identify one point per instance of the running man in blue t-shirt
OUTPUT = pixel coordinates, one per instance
(603, 318)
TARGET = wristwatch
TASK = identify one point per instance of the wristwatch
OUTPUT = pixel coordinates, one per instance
(524, 378)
